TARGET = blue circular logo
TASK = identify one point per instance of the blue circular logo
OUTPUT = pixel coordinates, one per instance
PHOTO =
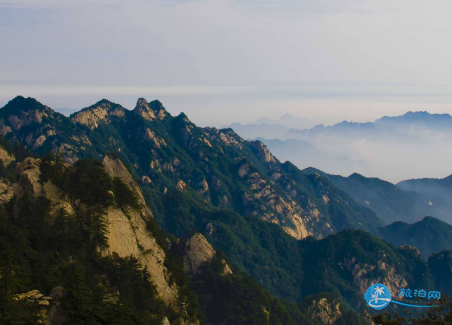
(378, 296)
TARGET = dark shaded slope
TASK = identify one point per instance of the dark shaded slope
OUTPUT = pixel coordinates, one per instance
(429, 235)
(387, 200)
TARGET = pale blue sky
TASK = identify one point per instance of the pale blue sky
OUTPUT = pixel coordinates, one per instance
(222, 61)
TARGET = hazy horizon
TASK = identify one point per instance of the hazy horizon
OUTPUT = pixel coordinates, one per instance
(225, 61)
(219, 109)
(222, 61)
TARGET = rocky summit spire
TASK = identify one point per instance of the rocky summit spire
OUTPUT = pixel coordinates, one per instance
(150, 111)
(158, 109)
(142, 108)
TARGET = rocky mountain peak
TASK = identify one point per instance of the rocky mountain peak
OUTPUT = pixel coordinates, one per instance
(158, 109)
(327, 312)
(20, 103)
(20, 112)
(142, 109)
(99, 112)
(262, 152)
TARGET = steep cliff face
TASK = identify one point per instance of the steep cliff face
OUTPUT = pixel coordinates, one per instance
(127, 234)
(199, 252)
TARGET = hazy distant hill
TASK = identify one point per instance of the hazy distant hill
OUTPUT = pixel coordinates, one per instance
(438, 192)
(431, 186)
(387, 200)
(397, 126)
(409, 125)
(391, 148)
(429, 235)
(417, 119)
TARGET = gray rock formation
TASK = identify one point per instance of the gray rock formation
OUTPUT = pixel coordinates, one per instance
(198, 251)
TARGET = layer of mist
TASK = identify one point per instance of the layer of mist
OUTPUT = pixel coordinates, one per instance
(414, 145)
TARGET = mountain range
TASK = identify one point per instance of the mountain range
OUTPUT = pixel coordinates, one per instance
(110, 205)
(402, 126)
(376, 149)
(407, 126)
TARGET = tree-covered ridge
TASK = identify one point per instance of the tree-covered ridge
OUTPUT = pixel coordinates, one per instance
(429, 235)
(390, 202)
(162, 150)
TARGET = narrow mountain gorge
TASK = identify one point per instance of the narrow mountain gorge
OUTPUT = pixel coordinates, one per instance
(146, 216)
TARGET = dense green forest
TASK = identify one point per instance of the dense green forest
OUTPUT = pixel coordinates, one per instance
(40, 251)
(429, 235)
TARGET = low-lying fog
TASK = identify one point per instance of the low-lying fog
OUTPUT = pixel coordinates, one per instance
(415, 145)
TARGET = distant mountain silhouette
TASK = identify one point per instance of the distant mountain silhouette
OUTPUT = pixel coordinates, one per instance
(386, 126)
(438, 191)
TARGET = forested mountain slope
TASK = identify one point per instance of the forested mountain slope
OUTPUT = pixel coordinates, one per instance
(165, 152)
(260, 216)
(78, 245)
(429, 235)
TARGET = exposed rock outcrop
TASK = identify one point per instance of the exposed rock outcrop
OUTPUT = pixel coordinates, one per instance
(145, 180)
(6, 158)
(99, 112)
(198, 251)
(362, 281)
(127, 233)
(150, 136)
(275, 208)
(409, 248)
(142, 109)
(115, 168)
(181, 186)
(263, 152)
(325, 312)
(6, 191)
(49, 307)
